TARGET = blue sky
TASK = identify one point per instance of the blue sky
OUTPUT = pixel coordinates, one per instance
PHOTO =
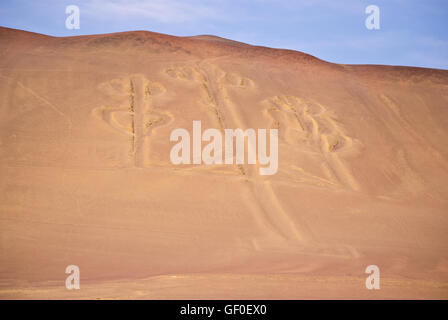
(412, 32)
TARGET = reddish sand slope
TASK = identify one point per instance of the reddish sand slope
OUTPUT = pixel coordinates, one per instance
(86, 177)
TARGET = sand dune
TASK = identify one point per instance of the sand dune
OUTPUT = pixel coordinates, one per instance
(86, 177)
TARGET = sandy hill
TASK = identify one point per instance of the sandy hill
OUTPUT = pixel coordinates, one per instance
(86, 177)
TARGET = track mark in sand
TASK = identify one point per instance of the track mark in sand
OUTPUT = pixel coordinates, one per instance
(311, 125)
(44, 101)
(307, 177)
(135, 114)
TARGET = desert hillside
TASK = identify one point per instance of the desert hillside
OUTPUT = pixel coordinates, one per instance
(86, 177)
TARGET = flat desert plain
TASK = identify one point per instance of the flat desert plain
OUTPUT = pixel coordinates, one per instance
(86, 177)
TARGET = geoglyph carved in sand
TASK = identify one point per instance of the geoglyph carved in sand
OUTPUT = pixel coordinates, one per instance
(301, 123)
(309, 125)
(136, 115)
(214, 83)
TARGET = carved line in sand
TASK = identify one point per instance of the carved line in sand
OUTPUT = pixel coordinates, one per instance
(37, 98)
(309, 123)
(135, 116)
